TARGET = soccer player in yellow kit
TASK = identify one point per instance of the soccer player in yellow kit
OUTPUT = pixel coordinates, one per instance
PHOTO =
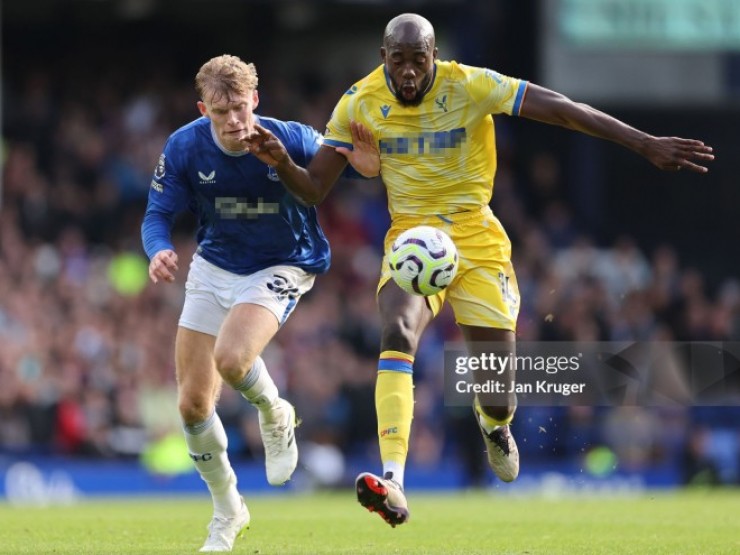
(426, 127)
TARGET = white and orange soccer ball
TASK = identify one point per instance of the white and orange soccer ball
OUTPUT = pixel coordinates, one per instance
(423, 260)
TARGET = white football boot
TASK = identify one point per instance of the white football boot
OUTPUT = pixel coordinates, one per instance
(278, 437)
(503, 454)
(222, 531)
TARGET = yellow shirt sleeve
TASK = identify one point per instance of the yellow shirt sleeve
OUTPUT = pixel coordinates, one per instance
(337, 130)
(493, 92)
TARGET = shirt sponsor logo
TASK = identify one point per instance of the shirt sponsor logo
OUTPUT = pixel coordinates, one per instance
(432, 142)
(207, 179)
(237, 208)
(384, 110)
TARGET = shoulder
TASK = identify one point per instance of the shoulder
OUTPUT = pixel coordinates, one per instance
(461, 73)
(191, 132)
(368, 86)
(298, 138)
(373, 81)
(279, 126)
(479, 80)
(189, 140)
(287, 130)
(190, 129)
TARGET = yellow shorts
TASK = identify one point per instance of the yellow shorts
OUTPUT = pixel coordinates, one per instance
(484, 292)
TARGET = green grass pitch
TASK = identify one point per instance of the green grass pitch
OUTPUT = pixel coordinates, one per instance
(697, 522)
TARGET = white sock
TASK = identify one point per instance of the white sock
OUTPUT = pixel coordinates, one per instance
(259, 389)
(396, 469)
(207, 446)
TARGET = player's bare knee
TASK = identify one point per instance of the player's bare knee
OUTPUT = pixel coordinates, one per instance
(232, 366)
(195, 408)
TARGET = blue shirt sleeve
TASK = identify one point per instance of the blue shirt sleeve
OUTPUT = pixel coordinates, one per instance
(311, 141)
(169, 195)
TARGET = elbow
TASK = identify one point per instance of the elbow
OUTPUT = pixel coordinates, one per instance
(310, 199)
(314, 199)
(317, 194)
(310, 202)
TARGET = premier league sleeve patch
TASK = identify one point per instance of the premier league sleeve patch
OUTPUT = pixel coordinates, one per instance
(159, 170)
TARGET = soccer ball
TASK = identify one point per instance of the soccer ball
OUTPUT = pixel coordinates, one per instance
(423, 260)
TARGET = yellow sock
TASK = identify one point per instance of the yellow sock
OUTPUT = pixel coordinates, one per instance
(490, 423)
(394, 404)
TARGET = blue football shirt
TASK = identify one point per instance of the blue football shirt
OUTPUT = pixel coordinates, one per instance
(247, 220)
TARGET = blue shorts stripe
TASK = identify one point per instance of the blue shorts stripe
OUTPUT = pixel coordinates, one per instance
(288, 310)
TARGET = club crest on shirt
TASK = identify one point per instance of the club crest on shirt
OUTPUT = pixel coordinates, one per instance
(441, 102)
(272, 174)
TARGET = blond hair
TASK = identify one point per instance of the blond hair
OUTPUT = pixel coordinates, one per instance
(225, 75)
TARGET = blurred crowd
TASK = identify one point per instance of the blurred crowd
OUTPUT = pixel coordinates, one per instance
(86, 342)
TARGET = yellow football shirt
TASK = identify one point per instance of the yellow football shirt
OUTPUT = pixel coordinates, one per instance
(438, 157)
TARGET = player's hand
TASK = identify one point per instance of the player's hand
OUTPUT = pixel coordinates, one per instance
(364, 156)
(265, 146)
(674, 154)
(162, 265)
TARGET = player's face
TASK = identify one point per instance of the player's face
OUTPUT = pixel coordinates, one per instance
(411, 68)
(232, 118)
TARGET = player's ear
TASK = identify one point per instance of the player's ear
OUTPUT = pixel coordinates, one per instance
(255, 99)
(202, 108)
(434, 53)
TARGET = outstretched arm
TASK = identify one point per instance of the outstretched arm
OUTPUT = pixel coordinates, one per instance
(313, 183)
(667, 153)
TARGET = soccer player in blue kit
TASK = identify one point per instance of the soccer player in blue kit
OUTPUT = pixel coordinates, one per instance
(259, 250)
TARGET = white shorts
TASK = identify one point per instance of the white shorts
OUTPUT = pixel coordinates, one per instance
(210, 292)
